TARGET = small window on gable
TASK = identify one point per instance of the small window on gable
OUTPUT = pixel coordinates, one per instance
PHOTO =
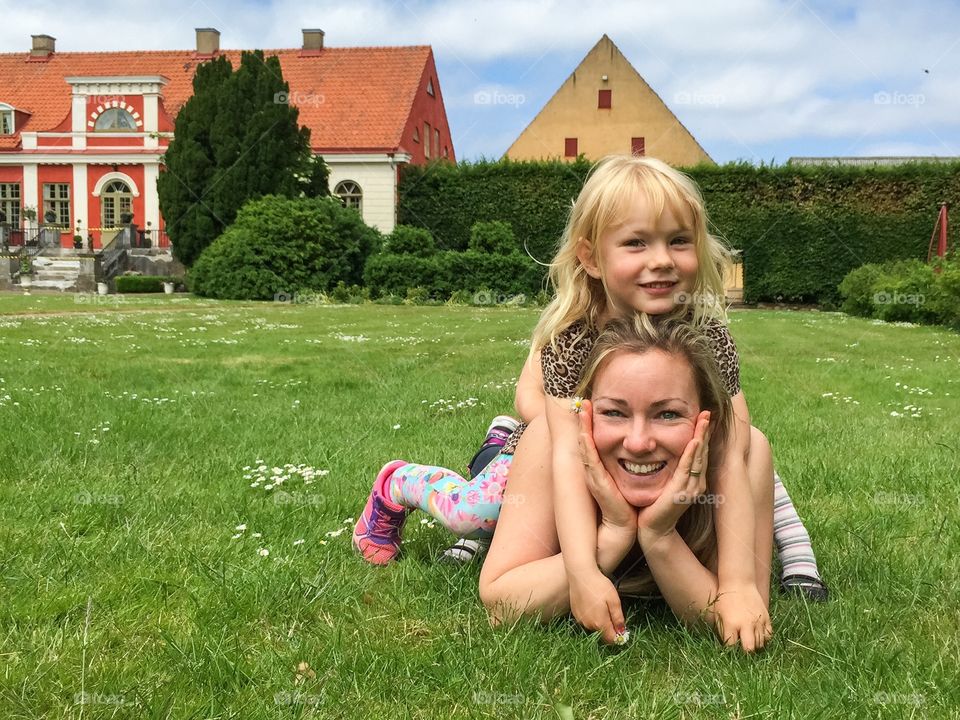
(6, 121)
(430, 88)
(605, 99)
(416, 135)
(426, 139)
(570, 147)
(115, 119)
(350, 194)
(638, 146)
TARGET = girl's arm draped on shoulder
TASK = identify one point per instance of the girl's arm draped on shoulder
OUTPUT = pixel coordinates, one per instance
(529, 397)
(739, 607)
(575, 508)
(736, 515)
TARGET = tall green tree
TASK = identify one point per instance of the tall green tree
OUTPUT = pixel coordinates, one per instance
(236, 139)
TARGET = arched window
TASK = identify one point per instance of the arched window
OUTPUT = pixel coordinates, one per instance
(115, 201)
(115, 119)
(350, 194)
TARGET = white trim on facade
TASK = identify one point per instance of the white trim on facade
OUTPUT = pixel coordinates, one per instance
(151, 200)
(87, 159)
(81, 200)
(110, 177)
(116, 84)
(78, 117)
(151, 119)
(31, 188)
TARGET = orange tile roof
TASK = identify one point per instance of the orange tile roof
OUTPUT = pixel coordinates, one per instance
(352, 99)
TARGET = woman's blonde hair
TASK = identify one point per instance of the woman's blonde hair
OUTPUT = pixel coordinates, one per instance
(640, 335)
(604, 202)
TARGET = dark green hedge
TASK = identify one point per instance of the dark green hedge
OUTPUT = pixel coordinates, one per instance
(143, 283)
(446, 272)
(533, 198)
(800, 229)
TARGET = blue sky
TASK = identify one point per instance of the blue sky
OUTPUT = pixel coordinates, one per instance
(754, 80)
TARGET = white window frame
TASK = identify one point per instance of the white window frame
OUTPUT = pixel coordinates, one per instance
(59, 200)
(115, 111)
(10, 199)
(350, 194)
(7, 127)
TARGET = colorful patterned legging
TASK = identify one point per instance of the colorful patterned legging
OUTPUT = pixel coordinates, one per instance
(468, 508)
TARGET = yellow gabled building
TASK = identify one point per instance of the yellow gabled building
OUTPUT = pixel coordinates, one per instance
(606, 108)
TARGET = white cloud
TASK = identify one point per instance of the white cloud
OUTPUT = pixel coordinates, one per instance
(750, 72)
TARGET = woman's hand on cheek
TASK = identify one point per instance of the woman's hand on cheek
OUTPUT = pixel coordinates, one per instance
(616, 511)
(689, 482)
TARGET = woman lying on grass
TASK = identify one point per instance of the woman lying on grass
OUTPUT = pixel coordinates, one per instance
(654, 424)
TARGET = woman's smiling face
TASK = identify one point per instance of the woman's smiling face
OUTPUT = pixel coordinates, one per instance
(645, 408)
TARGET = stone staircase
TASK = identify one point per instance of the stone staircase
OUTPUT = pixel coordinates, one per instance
(55, 273)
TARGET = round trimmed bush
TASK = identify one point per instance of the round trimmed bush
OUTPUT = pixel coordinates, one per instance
(283, 246)
(495, 237)
(407, 240)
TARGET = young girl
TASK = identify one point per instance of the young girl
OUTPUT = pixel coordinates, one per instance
(636, 242)
(659, 415)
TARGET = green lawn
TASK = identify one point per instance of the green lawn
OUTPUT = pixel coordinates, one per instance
(131, 436)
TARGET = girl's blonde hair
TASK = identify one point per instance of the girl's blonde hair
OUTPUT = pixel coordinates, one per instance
(642, 334)
(611, 188)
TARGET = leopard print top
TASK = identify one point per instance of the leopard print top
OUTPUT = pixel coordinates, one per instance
(564, 362)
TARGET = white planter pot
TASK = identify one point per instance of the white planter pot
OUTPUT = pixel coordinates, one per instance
(102, 288)
(168, 288)
(26, 281)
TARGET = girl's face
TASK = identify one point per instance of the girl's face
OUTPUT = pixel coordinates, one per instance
(645, 409)
(647, 261)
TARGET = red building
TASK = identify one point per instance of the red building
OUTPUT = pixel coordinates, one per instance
(82, 134)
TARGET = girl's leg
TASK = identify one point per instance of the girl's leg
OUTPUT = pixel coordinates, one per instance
(468, 508)
(465, 507)
(465, 550)
(759, 470)
(798, 564)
